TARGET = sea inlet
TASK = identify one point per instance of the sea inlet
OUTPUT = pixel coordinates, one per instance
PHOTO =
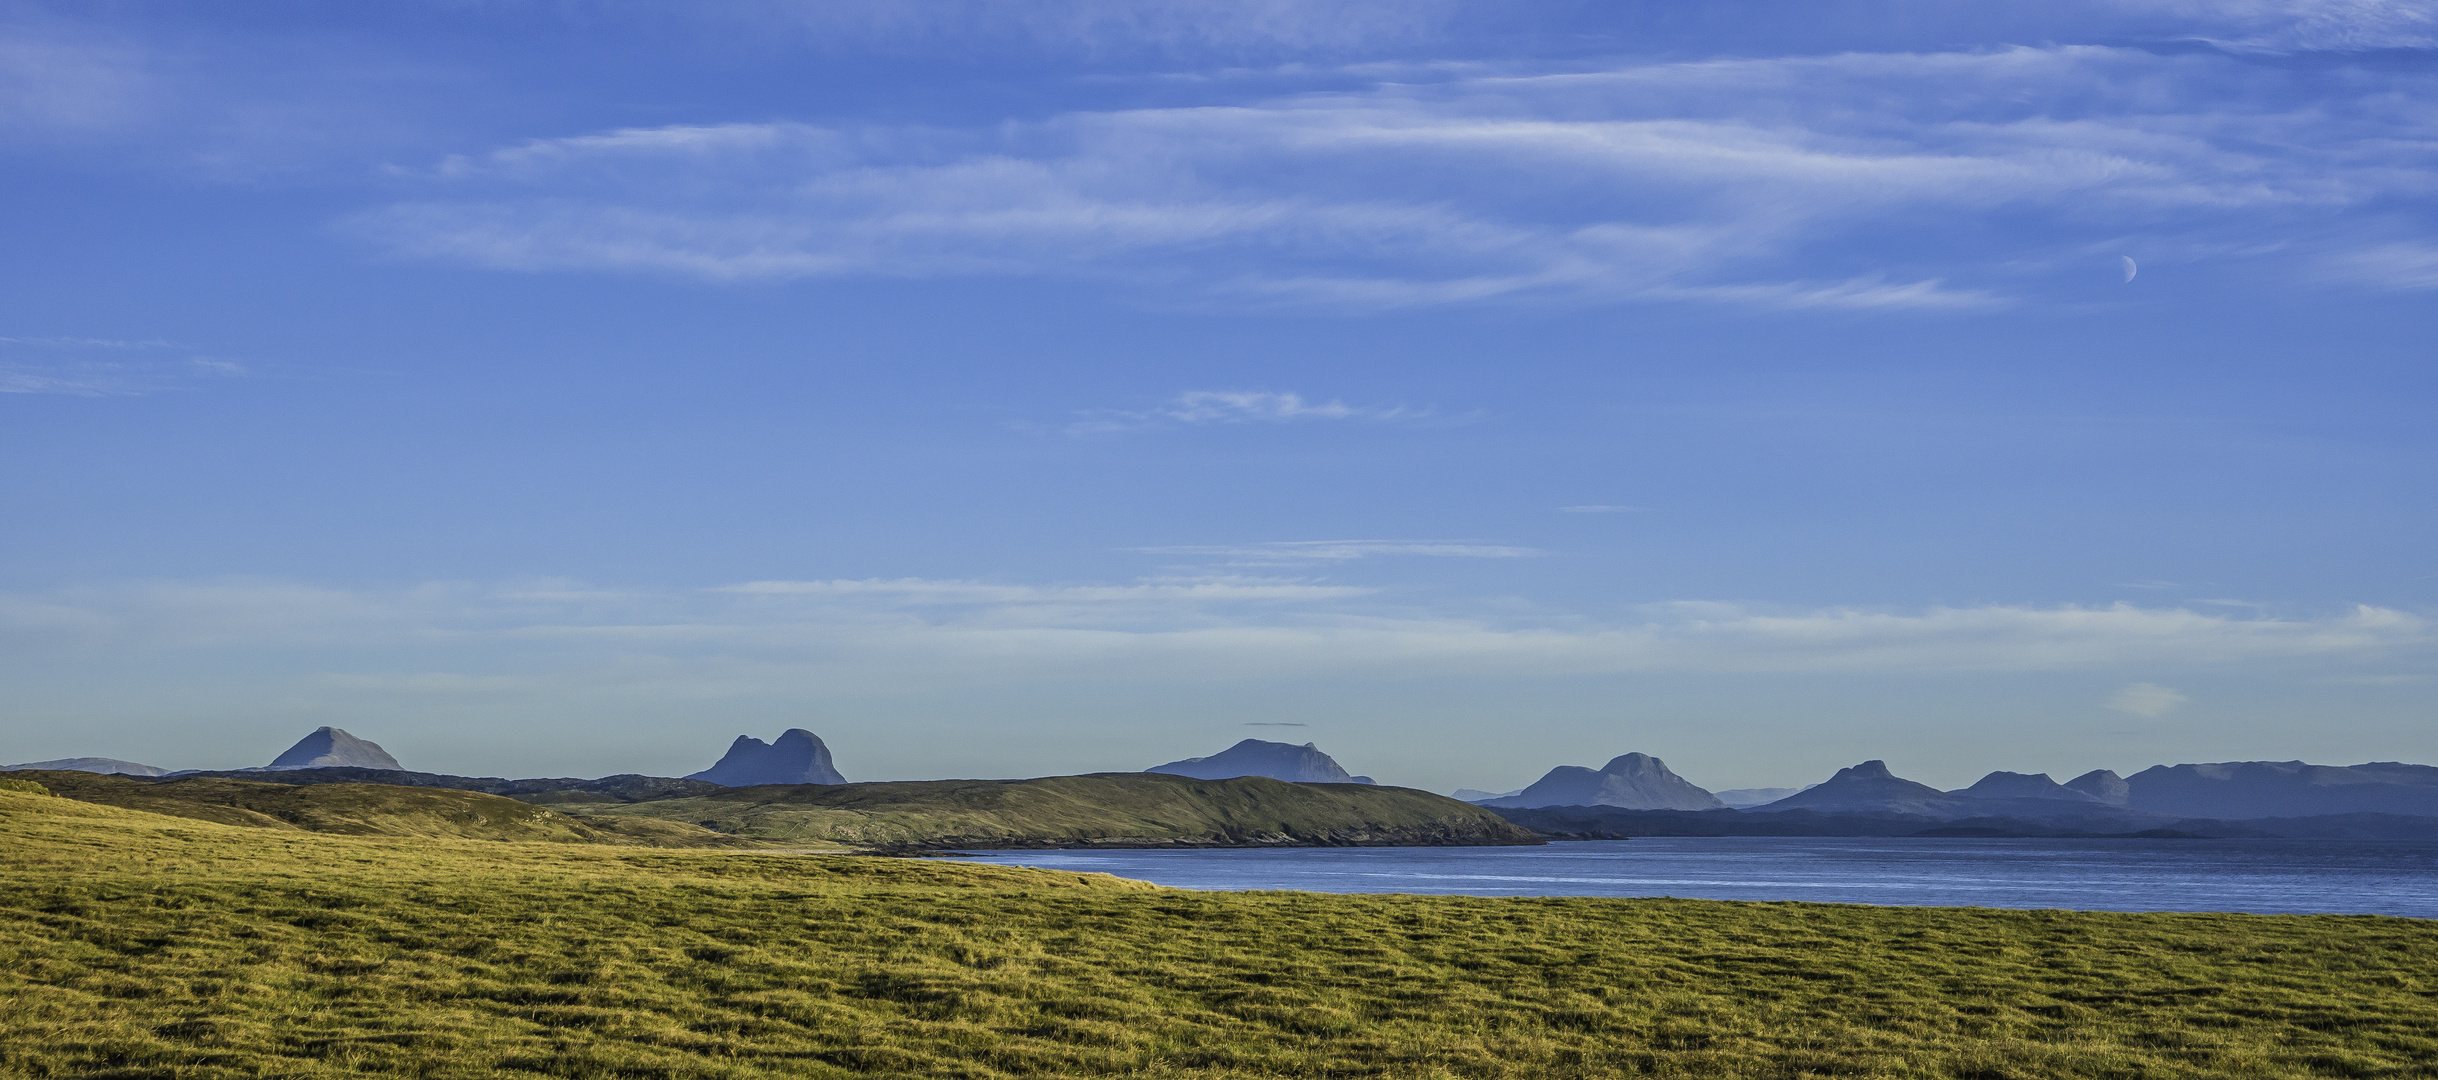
(2259, 876)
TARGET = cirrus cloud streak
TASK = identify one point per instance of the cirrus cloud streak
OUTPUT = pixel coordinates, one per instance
(1792, 183)
(910, 634)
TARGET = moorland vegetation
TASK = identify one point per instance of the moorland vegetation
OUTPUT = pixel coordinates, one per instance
(1107, 809)
(135, 944)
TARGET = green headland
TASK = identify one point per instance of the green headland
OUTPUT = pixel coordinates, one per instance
(136, 944)
(1106, 809)
(1102, 809)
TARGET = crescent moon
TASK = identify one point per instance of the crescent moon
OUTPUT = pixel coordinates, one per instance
(2130, 268)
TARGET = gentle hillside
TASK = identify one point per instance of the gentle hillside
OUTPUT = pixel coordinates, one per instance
(625, 787)
(139, 946)
(365, 810)
(1113, 809)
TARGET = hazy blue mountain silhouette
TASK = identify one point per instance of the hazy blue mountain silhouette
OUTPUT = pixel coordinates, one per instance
(798, 757)
(2257, 789)
(1633, 781)
(329, 747)
(1304, 764)
(1869, 788)
(91, 765)
(2103, 785)
(2015, 785)
(1747, 798)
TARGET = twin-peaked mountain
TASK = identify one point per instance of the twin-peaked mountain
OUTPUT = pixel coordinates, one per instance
(1634, 781)
(798, 757)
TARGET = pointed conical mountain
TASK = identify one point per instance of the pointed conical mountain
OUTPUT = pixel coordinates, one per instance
(1253, 757)
(331, 748)
(798, 757)
(2103, 785)
(1869, 788)
(1633, 781)
(2015, 785)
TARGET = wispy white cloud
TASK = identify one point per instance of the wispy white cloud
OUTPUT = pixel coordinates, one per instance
(1293, 551)
(1730, 182)
(899, 635)
(83, 343)
(1152, 591)
(1203, 407)
(2147, 699)
(67, 366)
(1100, 27)
(2288, 26)
(53, 79)
(2402, 266)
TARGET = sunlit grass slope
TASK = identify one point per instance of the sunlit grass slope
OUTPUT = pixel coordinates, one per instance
(135, 945)
(368, 810)
(1101, 808)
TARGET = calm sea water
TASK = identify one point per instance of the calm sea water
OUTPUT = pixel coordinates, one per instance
(2264, 876)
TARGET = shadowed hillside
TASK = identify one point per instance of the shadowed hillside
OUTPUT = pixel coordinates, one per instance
(1103, 809)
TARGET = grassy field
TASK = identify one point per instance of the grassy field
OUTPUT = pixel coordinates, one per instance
(134, 945)
(369, 810)
(1102, 808)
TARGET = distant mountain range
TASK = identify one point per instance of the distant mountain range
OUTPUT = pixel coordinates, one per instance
(1253, 757)
(1633, 793)
(2226, 790)
(2251, 798)
(324, 748)
(92, 765)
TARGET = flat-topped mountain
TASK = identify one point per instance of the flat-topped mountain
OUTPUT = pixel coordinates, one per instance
(1868, 788)
(798, 757)
(1254, 757)
(1634, 781)
(2015, 785)
(91, 765)
(331, 748)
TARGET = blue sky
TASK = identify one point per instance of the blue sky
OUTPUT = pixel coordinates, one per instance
(1009, 389)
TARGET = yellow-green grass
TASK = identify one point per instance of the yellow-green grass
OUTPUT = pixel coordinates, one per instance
(136, 945)
(1136, 809)
(370, 810)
